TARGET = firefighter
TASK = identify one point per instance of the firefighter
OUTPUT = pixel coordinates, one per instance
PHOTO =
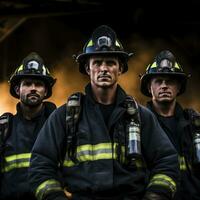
(163, 82)
(31, 83)
(104, 145)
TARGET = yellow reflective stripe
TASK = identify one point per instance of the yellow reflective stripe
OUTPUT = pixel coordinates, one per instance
(177, 65)
(100, 151)
(153, 65)
(68, 163)
(182, 163)
(16, 161)
(164, 180)
(16, 165)
(117, 43)
(17, 156)
(20, 68)
(90, 152)
(44, 71)
(47, 70)
(47, 186)
(95, 157)
(90, 147)
(90, 43)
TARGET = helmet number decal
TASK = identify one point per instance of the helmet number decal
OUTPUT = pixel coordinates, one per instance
(32, 65)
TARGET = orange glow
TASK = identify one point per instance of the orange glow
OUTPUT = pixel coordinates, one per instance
(7, 103)
(69, 80)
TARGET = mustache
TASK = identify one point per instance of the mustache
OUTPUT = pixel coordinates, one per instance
(104, 74)
(33, 94)
(164, 92)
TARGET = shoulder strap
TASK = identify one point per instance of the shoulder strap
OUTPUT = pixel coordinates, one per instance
(193, 116)
(73, 110)
(5, 121)
(132, 108)
(73, 106)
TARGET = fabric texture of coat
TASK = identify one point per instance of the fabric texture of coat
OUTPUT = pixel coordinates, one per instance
(14, 184)
(189, 187)
(101, 169)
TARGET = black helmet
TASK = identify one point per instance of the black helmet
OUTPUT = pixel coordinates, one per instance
(103, 41)
(32, 67)
(164, 64)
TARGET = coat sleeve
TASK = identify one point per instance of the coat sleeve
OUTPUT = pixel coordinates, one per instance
(46, 157)
(160, 156)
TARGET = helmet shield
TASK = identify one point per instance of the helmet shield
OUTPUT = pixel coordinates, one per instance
(164, 64)
(103, 41)
(32, 67)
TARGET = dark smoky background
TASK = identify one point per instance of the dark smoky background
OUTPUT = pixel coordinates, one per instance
(58, 29)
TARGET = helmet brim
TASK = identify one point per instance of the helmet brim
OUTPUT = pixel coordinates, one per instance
(49, 82)
(146, 78)
(82, 58)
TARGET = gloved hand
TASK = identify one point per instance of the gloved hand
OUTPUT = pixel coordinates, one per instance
(154, 196)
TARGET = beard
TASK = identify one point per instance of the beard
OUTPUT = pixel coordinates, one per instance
(31, 100)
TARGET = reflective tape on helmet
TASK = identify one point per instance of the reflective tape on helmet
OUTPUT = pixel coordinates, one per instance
(16, 161)
(153, 65)
(44, 71)
(177, 65)
(47, 70)
(90, 43)
(117, 43)
(20, 68)
(46, 187)
(164, 181)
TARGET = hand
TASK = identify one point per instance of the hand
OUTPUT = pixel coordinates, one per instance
(68, 194)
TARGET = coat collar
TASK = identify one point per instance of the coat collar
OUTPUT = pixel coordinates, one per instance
(179, 113)
(120, 94)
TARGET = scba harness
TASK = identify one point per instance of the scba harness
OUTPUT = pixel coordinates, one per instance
(5, 126)
(133, 127)
(194, 118)
(5, 121)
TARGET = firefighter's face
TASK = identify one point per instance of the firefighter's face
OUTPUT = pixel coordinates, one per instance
(104, 71)
(164, 89)
(31, 91)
